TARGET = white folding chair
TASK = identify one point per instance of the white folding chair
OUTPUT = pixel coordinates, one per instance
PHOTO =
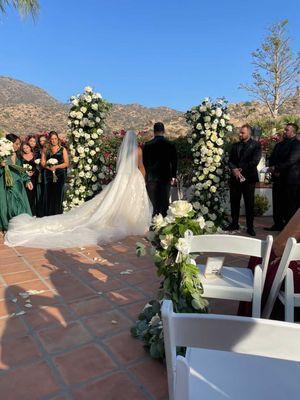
(229, 357)
(287, 297)
(234, 283)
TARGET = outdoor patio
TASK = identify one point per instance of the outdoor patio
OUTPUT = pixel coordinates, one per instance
(70, 338)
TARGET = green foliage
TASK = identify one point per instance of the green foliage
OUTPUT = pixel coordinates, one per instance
(181, 281)
(270, 126)
(261, 205)
(185, 161)
(24, 7)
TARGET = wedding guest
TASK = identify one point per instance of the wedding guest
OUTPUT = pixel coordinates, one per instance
(160, 161)
(31, 140)
(292, 229)
(243, 160)
(284, 164)
(28, 162)
(40, 182)
(55, 175)
(13, 198)
(289, 170)
(42, 141)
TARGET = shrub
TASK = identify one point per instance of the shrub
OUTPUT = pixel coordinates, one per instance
(261, 205)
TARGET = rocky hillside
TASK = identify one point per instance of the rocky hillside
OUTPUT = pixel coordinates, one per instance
(25, 109)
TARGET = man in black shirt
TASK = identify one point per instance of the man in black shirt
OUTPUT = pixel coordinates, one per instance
(284, 164)
(160, 161)
(243, 160)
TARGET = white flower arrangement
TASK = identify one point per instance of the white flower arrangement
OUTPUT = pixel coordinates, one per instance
(51, 163)
(170, 247)
(86, 124)
(6, 149)
(210, 124)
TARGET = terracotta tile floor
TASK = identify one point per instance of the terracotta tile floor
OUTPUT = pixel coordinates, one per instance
(70, 338)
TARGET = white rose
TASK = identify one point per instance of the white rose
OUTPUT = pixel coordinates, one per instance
(95, 107)
(196, 205)
(88, 89)
(166, 240)
(75, 159)
(180, 208)
(158, 222)
(183, 246)
(83, 109)
(95, 168)
(92, 153)
(229, 128)
(201, 222)
(202, 108)
(79, 115)
(88, 99)
(75, 102)
(219, 112)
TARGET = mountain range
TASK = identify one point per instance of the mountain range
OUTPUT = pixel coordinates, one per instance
(26, 109)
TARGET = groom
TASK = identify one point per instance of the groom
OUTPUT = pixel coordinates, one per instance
(160, 161)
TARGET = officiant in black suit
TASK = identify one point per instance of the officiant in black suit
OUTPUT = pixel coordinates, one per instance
(160, 161)
(243, 160)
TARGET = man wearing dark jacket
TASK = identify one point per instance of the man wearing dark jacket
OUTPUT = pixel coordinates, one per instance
(289, 170)
(284, 164)
(160, 161)
(243, 160)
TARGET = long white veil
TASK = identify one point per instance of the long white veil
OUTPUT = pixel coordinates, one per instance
(121, 209)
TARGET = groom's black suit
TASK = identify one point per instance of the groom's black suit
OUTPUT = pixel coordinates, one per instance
(160, 161)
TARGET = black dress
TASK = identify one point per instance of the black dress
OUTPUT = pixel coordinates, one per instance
(55, 186)
(31, 194)
(40, 187)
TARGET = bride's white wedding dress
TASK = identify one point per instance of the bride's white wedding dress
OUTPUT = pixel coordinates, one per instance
(122, 208)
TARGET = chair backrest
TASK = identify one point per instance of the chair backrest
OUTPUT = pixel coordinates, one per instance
(253, 336)
(291, 253)
(233, 244)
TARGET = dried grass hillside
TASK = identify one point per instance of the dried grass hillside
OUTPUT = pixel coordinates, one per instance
(26, 109)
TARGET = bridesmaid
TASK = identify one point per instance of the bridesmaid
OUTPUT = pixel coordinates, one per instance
(54, 189)
(28, 159)
(42, 141)
(40, 181)
(31, 140)
(13, 199)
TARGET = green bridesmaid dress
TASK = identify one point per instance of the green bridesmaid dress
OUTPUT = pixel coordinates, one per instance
(13, 199)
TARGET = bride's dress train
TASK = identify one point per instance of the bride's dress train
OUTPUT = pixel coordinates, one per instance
(123, 208)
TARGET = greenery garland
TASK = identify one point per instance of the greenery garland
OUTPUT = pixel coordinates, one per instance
(181, 280)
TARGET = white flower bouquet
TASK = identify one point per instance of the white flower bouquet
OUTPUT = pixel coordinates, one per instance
(27, 168)
(51, 163)
(6, 150)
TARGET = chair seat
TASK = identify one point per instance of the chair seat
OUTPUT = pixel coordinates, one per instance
(233, 284)
(222, 375)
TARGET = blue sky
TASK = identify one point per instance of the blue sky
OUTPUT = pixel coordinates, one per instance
(158, 52)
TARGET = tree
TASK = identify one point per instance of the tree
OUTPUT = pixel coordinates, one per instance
(24, 7)
(276, 69)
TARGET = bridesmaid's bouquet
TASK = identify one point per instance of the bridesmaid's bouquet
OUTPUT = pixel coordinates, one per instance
(6, 150)
(27, 168)
(37, 162)
(51, 163)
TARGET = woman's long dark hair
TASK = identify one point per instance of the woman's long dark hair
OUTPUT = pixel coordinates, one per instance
(12, 137)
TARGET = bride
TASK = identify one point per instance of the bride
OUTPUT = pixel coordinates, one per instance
(123, 208)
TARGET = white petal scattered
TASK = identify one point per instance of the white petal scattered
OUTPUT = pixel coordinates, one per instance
(24, 295)
(35, 291)
(14, 300)
(28, 305)
(20, 313)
